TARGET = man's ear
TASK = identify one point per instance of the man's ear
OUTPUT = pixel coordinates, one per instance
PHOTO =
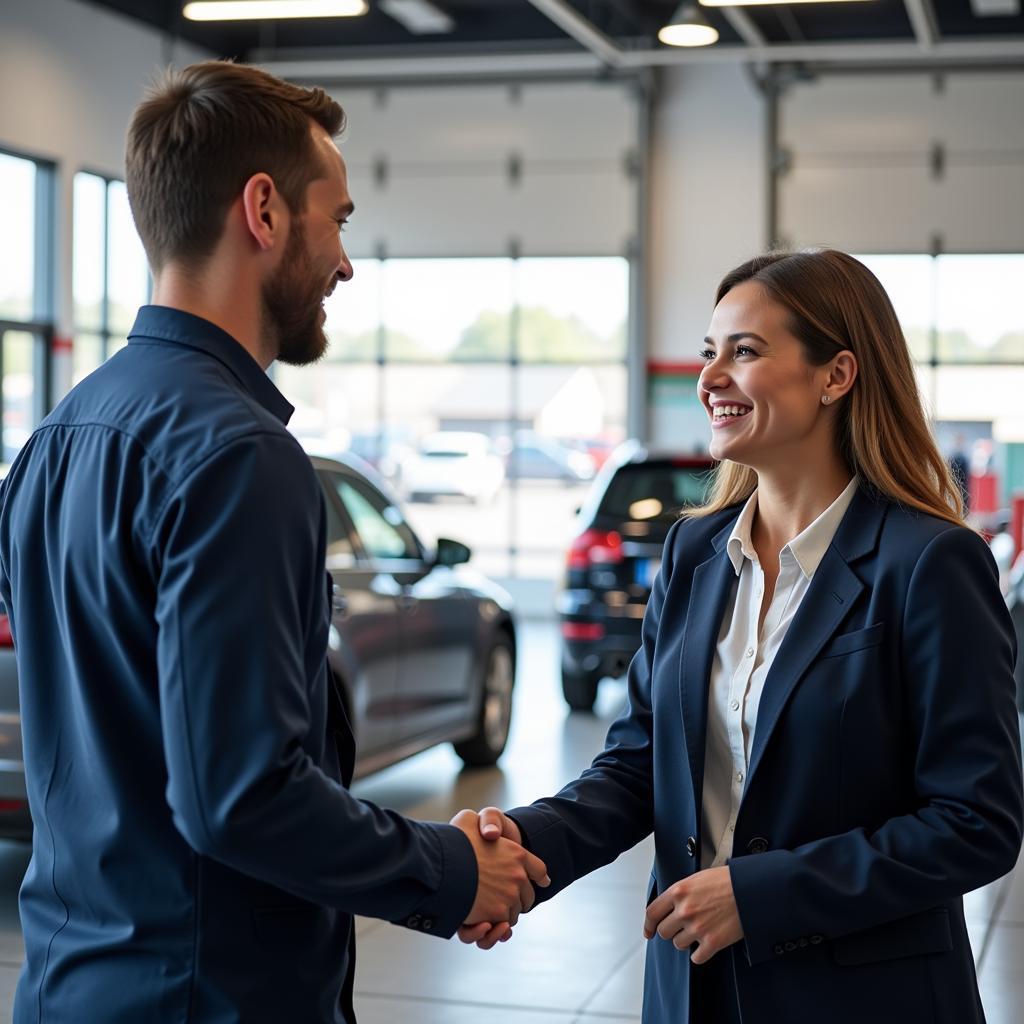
(264, 211)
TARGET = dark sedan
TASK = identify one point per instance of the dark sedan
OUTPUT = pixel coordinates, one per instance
(614, 557)
(422, 648)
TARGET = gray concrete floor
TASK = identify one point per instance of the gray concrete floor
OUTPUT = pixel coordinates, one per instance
(576, 960)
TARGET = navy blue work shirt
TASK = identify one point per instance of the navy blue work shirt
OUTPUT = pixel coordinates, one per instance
(196, 854)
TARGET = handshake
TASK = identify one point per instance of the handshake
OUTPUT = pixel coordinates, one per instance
(697, 914)
(507, 874)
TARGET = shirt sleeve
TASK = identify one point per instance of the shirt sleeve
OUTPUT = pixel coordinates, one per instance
(964, 749)
(239, 581)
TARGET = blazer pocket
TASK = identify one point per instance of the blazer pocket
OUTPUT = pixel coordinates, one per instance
(870, 636)
(917, 935)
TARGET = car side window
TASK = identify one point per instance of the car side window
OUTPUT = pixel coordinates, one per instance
(380, 526)
(339, 534)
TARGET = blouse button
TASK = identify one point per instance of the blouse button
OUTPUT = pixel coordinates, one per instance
(735, 705)
(750, 652)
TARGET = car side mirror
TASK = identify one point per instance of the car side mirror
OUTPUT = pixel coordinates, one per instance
(451, 552)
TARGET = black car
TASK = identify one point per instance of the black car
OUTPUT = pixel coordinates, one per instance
(422, 651)
(614, 557)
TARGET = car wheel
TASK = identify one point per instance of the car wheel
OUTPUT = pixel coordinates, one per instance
(495, 715)
(579, 689)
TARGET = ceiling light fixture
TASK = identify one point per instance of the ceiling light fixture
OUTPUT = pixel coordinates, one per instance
(272, 10)
(418, 16)
(688, 27)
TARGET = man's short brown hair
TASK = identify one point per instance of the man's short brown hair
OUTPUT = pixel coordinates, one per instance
(196, 139)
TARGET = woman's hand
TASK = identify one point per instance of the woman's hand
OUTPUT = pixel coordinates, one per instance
(699, 909)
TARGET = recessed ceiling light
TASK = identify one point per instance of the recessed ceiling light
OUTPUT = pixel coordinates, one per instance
(688, 27)
(418, 16)
(272, 10)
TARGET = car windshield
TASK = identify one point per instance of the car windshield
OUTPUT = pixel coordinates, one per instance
(653, 490)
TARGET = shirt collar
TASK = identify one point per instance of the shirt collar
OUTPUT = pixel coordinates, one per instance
(162, 323)
(807, 548)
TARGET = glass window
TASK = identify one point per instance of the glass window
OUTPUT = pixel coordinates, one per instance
(443, 309)
(89, 231)
(379, 524)
(110, 275)
(572, 310)
(19, 390)
(521, 362)
(353, 315)
(18, 252)
(979, 315)
(909, 280)
(450, 427)
(127, 269)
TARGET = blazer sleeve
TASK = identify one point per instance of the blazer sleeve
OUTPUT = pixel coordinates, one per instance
(957, 648)
(240, 585)
(610, 807)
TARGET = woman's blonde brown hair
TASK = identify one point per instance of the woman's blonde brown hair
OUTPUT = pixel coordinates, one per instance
(836, 304)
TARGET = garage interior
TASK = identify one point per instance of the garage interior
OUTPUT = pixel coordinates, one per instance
(546, 199)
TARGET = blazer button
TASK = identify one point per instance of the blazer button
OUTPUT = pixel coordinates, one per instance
(817, 940)
(802, 942)
(757, 845)
(779, 950)
(691, 846)
(414, 920)
(428, 924)
(790, 946)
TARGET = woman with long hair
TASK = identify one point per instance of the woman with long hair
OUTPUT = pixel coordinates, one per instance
(821, 730)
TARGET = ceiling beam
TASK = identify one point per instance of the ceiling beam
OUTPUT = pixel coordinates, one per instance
(350, 67)
(585, 32)
(744, 26)
(922, 18)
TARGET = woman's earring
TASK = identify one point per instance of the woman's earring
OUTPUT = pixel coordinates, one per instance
(825, 399)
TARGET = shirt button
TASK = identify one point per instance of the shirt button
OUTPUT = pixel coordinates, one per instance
(735, 705)
(739, 776)
(750, 652)
(691, 846)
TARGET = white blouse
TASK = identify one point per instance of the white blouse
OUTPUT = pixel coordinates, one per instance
(743, 660)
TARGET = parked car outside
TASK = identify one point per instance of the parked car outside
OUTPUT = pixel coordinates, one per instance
(536, 457)
(455, 463)
(422, 648)
(613, 558)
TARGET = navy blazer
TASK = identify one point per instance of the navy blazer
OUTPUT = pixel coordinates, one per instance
(884, 779)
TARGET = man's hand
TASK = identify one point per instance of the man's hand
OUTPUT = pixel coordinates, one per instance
(505, 883)
(491, 825)
(701, 909)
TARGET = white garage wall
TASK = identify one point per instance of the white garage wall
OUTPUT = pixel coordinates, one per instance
(70, 75)
(429, 169)
(861, 151)
(709, 192)
(708, 213)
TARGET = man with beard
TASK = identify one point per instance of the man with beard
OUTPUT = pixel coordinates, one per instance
(197, 856)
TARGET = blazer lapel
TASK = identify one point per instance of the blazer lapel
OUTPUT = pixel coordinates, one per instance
(833, 590)
(712, 583)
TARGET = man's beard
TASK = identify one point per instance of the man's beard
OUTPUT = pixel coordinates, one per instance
(291, 305)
